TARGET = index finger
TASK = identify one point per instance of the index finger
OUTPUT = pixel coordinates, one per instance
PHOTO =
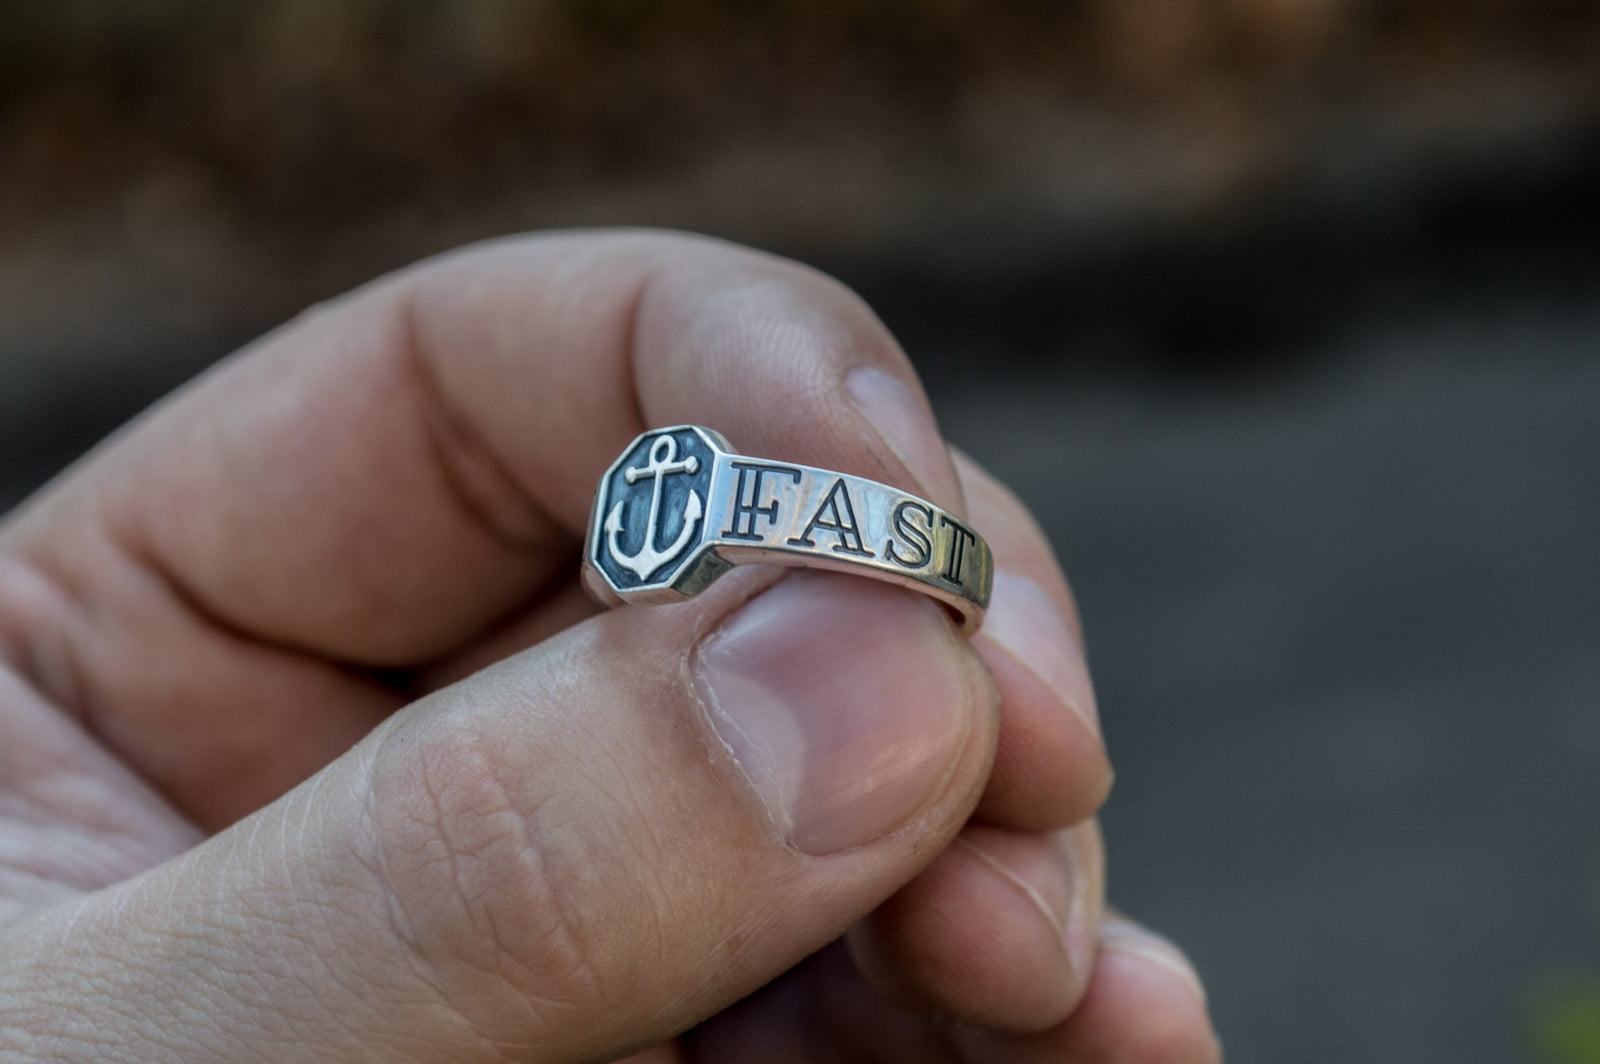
(380, 480)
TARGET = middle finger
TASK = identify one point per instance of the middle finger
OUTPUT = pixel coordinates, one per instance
(1051, 770)
(998, 933)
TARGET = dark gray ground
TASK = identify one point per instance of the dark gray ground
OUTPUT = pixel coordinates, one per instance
(1344, 629)
(1337, 556)
(1343, 601)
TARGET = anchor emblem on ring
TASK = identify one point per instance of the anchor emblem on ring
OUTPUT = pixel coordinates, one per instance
(647, 559)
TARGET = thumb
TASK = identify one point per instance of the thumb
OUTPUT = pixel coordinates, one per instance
(576, 853)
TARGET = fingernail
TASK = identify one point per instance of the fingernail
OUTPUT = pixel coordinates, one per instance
(1130, 939)
(1024, 621)
(845, 702)
(905, 425)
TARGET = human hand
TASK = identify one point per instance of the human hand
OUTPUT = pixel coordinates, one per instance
(312, 749)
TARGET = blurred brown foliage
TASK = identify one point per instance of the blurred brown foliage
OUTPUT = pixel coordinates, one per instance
(258, 154)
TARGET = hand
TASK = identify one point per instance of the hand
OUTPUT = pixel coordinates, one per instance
(311, 748)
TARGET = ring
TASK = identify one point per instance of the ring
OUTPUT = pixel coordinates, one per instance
(679, 508)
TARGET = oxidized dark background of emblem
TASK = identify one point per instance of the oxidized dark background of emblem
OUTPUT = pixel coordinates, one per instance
(649, 525)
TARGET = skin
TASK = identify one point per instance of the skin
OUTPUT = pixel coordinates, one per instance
(311, 748)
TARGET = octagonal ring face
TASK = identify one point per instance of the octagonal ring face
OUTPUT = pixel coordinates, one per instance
(651, 512)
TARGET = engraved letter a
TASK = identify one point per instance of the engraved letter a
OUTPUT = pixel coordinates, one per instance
(838, 516)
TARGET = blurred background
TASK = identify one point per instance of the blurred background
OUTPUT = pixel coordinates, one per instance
(1283, 314)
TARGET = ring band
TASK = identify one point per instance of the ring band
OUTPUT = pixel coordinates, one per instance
(679, 508)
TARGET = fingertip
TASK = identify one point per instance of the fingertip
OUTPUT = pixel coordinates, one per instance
(1020, 544)
(1051, 769)
(1145, 1005)
(999, 933)
(1030, 625)
(904, 422)
(1122, 937)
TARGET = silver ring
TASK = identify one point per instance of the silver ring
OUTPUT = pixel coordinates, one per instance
(679, 508)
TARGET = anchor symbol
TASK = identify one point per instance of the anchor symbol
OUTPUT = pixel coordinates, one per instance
(647, 559)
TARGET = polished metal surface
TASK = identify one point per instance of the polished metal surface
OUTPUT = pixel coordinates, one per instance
(680, 507)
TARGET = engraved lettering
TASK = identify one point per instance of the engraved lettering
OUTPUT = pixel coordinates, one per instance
(956, 550)
(918, 538)
(747, 507)
(836, 515)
